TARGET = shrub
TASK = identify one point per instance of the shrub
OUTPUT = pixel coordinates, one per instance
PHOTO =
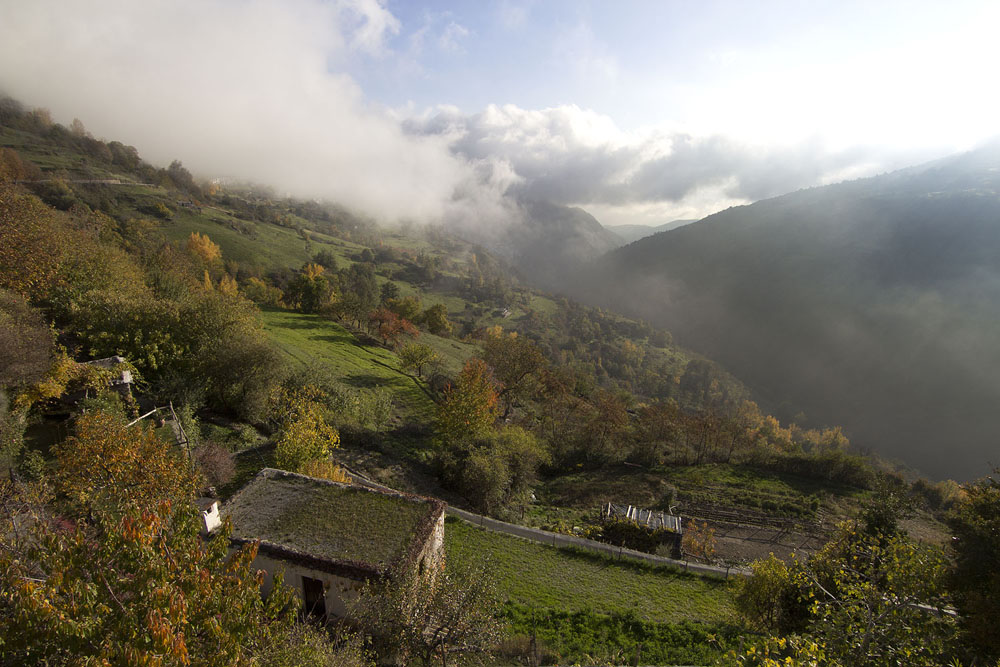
(215, 462)
(629, 534)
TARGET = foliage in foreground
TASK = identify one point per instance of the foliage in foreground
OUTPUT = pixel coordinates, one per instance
(124, 577)
(864, 599)
(419, 618)
(975, 577)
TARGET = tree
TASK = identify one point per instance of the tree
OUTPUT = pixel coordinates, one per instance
(436, 319)
(33, 242)
(516, 361)
(305, 436)
(408, 307)
(390, 327)
(310, 290)
(13, 168)
(770, 598)
(974, 578)
(359, 281)
(202, 247)
(106, 466)
(417, 355)
(879, 601)
(144, 588)
(261, 293)
(469, 408)
(26, 342)
(862, 600)
(420, 618)
(389, 291)
(699, 541)
(326, 259)
(497, 473)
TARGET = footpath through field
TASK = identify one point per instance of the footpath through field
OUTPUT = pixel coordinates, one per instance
(561, 540)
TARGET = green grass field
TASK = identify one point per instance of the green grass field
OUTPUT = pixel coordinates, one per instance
(570, 581)
(308, 339)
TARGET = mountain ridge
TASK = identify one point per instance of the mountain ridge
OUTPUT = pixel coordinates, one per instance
(852, 302)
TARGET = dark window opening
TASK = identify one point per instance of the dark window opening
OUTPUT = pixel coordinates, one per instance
(315, 597)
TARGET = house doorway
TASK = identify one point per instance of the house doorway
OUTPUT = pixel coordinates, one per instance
(315, 598)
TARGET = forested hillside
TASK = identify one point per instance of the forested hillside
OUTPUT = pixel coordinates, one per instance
(872, 304)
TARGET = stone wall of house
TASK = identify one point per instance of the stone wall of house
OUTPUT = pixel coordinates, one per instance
(341, 592)
(431, 558)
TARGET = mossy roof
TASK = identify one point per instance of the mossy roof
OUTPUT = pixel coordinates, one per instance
(330, 521)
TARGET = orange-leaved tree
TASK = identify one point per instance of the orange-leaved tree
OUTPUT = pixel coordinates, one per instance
(470, 407)
(107, 466)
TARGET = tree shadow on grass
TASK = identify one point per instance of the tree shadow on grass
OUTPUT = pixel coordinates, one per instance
(368, 381)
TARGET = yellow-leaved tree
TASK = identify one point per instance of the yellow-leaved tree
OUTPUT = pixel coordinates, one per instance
(306, 440)
(203, 248)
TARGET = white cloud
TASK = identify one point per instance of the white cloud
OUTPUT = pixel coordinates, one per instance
(574, 156)
(232, 88)
(452, 36)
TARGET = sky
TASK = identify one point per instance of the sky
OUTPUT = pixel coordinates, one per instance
(639, 112)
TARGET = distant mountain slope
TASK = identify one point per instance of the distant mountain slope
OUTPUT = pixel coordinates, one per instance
(632, 233)
(874, 304)
(546, 240)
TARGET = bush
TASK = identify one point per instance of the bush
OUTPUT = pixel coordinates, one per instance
(769, 599)
(32, 466)
(215, 462)
(629, 534)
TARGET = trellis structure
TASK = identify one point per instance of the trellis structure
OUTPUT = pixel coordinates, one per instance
(649, 518)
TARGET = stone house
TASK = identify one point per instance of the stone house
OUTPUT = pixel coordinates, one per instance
(329, 538)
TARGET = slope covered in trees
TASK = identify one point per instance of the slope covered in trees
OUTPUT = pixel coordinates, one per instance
(872, 304)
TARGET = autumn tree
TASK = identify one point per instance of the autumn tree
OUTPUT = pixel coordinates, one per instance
(390, 327)
(862, 600)
(33, 242)
(107, 465)
(13, 168)
(310, 290)
(417, 355)
(516, 362)
(407, 307)
(698, 540)
(261, 293)
(497, 473)
(470, 407)
(305, 436)
(770, 599)
(144, 588)
(26, 346)
(878, 601)
(203, 248)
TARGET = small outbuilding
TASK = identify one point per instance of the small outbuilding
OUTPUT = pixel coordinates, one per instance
(329, 538)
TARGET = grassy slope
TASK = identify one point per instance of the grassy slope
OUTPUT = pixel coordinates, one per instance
(545, 577)
(309, 339)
